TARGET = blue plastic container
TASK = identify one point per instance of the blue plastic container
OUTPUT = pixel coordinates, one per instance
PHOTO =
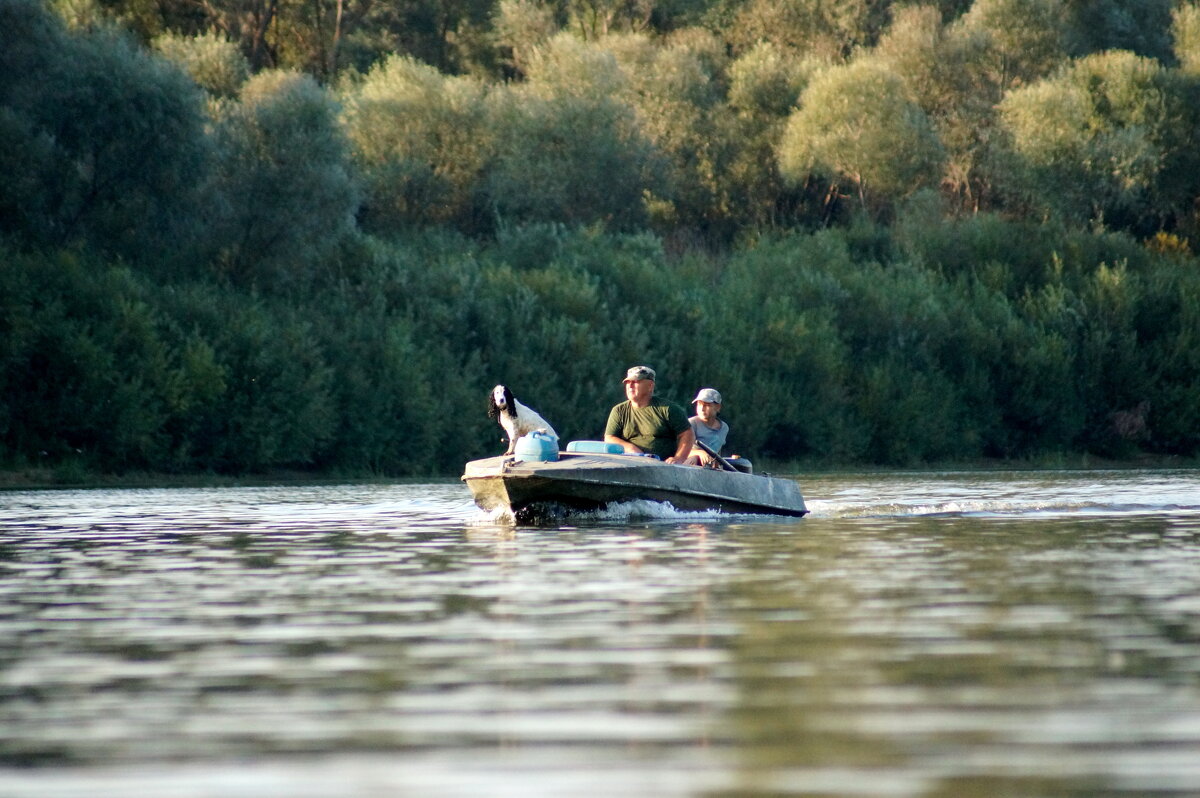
(594, 447)
(536, 447)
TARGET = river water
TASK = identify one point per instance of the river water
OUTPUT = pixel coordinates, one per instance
(933, 634)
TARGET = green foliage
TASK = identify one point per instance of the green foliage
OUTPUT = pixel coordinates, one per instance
(1185, 32)
(592, 19)
(213, 62)
(1168, 325)
(277, 408)
(956, 73)
(859, 122)
(1108, 140)
(675, 92)
(86, 372)
(421, 142)
(768, 339)
(103, 141)
(569, 159)
(288, 195)
(520, 27)
(566, 66)
(925, 351)
(1139, 26)
(829, 30)
(1022, 40)
(764, 80)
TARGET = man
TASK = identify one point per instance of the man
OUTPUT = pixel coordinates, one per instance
(643, 424)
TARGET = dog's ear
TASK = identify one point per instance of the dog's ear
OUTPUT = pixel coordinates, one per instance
(492, 411)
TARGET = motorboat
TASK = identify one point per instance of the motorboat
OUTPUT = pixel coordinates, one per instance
(540, 482)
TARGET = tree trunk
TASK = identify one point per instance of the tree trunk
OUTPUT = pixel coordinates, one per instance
(337, 38)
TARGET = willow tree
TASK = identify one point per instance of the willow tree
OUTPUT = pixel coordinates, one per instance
(958, 72)
(595, 19)
(1185, 32)
(674, 86)
(212, 61)
(102, 142)
(828, 30)
(570, 160)
(939, 68)
(285, 179)
(1024, 40)
(997, 46)
(422, 141)
(859, 123)
(519, 27)
(1108, 140)
(765, 84)
(1140, 26)
(569, 148)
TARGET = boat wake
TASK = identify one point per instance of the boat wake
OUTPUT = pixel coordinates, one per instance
(995, 509)
(1029, 494)
(626, 512)
(658, 511)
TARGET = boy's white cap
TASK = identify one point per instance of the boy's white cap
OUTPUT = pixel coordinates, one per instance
(710, 395)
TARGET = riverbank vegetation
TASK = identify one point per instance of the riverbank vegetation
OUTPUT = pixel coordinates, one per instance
(236, 241)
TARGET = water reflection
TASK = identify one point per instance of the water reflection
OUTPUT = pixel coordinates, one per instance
(1031, 657)
(1041, 639)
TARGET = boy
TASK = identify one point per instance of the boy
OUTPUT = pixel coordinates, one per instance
(709, 429)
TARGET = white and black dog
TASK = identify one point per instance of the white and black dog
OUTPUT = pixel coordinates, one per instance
(516, 418)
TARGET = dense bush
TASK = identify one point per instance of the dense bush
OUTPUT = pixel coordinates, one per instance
(822, 355)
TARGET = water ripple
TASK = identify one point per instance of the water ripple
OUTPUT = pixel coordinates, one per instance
(918, 634)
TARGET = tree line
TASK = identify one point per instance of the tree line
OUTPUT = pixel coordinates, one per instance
(243, 236)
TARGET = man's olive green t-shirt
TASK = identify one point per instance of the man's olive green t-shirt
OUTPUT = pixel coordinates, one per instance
(654, 429)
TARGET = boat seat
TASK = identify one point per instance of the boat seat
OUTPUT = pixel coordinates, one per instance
(594, 447)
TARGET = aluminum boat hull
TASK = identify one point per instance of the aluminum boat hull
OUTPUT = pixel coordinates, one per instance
(578, 481)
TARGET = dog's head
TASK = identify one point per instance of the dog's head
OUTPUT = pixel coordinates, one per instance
(500, 401)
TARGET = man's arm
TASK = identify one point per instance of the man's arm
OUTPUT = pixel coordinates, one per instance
(624, 444)
(684, 444)
(612, 427)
